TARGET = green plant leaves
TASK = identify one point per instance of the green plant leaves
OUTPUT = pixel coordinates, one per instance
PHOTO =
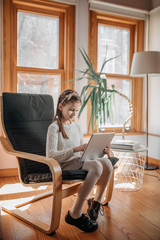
(96, 92)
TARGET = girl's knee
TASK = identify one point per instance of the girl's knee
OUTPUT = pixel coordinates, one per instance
(96, 168)
(107, 165)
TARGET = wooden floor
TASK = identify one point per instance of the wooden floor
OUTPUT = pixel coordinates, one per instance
(130, 215)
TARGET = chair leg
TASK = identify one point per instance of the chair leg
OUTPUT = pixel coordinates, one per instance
(109, 189)
(55, 215)
(35, 198)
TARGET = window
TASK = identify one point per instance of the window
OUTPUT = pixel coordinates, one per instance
(38, 46)
(118, 38)
(113, 41)
(37, 40)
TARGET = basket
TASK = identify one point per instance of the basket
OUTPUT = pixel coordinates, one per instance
(130, 170)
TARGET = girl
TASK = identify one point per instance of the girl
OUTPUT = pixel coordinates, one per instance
(65, 144)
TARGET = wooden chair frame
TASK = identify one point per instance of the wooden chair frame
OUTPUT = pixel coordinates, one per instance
(58, 192)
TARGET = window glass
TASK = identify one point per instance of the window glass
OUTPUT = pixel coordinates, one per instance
(120, 105)
(39, 83)
(113, 42)
(37, 40)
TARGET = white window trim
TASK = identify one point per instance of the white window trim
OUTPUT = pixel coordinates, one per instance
(71, 2)
(155, 10)
(117, 9)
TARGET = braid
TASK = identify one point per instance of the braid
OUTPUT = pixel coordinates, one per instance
(61, 128)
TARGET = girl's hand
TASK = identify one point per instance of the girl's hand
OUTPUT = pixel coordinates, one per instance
(80, 148)
(106, 150)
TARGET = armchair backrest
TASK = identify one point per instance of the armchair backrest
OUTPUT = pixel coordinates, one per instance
(26, 118)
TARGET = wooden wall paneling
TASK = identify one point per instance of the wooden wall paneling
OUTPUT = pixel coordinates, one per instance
(93, 38)
(116, 18)
(6, 86)
(92, 53)
(9, 172)
(69, 46)
(41, 4)
(14, 49)
(61, 41)
(138, 101)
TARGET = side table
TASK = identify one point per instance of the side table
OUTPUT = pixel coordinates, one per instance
(130, 169)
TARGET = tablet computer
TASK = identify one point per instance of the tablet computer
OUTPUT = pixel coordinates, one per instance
(97, 143)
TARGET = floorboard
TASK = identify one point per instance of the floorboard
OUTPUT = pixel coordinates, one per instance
(129, 215)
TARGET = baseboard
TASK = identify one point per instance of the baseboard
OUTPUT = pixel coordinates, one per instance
(9, 172)
(154, 161)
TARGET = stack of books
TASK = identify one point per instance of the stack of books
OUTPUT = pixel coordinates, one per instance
(125, 145)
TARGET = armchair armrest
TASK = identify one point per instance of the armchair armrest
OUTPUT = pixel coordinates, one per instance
(52, 163)
(110, 154)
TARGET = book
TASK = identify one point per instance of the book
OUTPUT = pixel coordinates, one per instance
(125, 144)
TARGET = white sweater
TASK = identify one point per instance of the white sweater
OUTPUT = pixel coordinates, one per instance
(61, 149)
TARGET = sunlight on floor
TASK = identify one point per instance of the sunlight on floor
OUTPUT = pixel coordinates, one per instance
(18, 201)
(25, 207)
(130, 186)
(11, 207)
(18, 188)
(3, 213)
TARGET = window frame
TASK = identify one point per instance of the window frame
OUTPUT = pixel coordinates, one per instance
(66, 14)
(136, 28)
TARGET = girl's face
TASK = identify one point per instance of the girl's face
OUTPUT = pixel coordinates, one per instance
(69, 111)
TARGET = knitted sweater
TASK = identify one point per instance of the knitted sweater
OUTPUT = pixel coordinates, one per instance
(58, 147)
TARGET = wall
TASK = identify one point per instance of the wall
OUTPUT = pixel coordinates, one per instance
(154, 87)
(82, 21)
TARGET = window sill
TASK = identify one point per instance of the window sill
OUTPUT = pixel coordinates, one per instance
(119, 134)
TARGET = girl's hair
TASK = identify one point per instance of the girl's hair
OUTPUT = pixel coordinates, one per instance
(65, 97)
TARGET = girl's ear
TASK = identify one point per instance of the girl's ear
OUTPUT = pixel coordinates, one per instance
(60, 106)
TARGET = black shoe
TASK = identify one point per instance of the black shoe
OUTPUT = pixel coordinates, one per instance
(94, 208)
(83, 223)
